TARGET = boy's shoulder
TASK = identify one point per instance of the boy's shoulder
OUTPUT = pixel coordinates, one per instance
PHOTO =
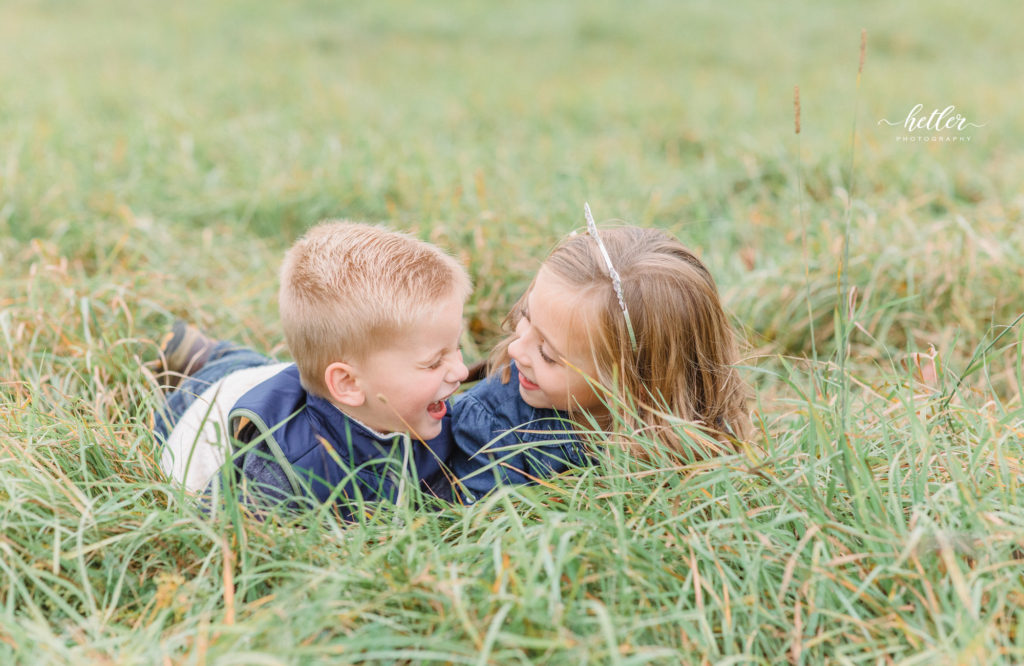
(279, 391)
(268, 410)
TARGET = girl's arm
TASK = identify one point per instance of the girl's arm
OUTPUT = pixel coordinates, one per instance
(499, 439)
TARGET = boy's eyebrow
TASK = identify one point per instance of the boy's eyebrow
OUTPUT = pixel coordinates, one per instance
(444, 350)
(436, 356)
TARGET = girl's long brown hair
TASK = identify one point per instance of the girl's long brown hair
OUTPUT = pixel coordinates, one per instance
(683, 368)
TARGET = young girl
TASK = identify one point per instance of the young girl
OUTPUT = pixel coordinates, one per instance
(617, 317)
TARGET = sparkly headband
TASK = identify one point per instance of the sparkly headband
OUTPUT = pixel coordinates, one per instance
(614, 274)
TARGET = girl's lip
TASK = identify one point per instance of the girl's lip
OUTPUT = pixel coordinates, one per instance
(526, 383)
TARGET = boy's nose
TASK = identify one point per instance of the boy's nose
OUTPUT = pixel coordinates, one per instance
(458, 371)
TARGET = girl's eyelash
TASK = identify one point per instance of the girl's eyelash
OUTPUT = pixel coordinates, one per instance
(547, 359)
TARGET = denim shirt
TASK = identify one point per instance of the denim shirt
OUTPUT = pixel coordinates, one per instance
(499, 439)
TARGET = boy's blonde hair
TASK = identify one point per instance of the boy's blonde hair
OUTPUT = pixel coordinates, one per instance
(683, 366)
(348, 289)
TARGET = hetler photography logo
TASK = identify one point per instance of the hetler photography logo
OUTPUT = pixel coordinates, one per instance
(941, 125)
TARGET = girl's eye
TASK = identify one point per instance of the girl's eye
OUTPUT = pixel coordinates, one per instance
(547, 359)
(435, 365)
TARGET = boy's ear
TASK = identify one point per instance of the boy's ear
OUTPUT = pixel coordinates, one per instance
(343, 385)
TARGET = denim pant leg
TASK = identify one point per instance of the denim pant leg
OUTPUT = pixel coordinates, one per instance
(226, 358)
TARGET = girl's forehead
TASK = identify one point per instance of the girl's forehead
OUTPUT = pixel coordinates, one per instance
(555, 304)
(550, 289)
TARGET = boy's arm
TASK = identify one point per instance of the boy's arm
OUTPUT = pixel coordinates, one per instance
(260, 482)
(262, 478)
(256, 479)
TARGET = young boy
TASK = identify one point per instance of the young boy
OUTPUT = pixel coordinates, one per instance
(373, 320)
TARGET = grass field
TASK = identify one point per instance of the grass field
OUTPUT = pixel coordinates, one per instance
(157, 159)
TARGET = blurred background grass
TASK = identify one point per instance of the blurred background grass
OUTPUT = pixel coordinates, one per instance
(157, 158)
(137, 129)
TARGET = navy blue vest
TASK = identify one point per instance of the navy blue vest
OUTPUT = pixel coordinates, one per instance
(331, 456)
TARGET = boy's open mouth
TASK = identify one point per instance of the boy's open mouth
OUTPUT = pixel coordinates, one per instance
(437, 409)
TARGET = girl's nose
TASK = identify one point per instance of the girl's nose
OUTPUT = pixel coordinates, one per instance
(515, 349)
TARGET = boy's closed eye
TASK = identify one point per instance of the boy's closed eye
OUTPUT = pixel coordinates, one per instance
(434, 362)
(437, 361)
